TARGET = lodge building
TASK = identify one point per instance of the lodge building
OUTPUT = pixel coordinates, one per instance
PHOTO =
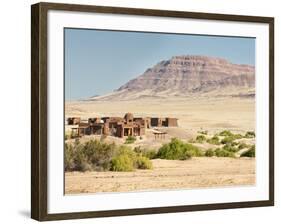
(118, 126)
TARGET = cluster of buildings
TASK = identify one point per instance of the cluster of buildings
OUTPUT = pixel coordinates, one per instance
(118, 126)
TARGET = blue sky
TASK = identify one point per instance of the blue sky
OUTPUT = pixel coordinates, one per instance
(97, 62)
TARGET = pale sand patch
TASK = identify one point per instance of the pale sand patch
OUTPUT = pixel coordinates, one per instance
(167, 174)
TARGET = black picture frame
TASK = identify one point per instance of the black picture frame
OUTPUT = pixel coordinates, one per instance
(39, 105)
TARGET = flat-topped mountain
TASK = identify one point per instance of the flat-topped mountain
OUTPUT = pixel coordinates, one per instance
(186, 76)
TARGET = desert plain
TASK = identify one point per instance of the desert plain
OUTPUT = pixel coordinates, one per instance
(195, 114)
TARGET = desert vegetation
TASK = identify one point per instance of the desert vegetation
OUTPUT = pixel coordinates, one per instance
(128, 160)
(98, 155)
(201, 138)
(250, 152)
(178, 150)
(226, 144)
(214, 140)
(130, 139)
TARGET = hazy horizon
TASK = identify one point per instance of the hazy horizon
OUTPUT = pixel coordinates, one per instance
(98, 62)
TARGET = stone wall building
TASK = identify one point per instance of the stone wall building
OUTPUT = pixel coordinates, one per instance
(121, 126)
(73, 120)
(164, 122)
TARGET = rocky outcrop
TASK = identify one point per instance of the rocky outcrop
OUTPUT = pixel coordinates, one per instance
(186, 75)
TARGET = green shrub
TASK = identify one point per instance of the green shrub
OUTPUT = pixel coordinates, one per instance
(99, 154)
(242, 145)
(146, 152)
(177, 149)
(231, 138)
(173, 150)
(74, 158)
(230, 148)
(150, 154)
(250, 134)
(125, 150)
(194, 151)
(128, 160)
(225, 133)
(227, 140)
(138, 149)
(249, 153)
(223, 153)
(214, 140)
(130, 140)
(209, 153)
(68, 157)
(122, 162)
(143, 163)
(238, 136)
(80, 161)
(201, 138)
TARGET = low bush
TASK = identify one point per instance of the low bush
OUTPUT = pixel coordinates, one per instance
(223, 153)
(128, 160)
(143, 163)
(194, 151)
(231, 138)
(146, 152)
(130, 140)
(122, 163)
(227, 140)
(209, 153)
(75, 159)
(101, 156)
(173, 150)
(249, 153)
(238, 136)
(125, 150)
(250, 134)
(177, 149)
(214, 140)
(68, 157)
(138, 149)
(201, 138)
(230, 148)
(242, 145)
(225, 133)
(150, 154)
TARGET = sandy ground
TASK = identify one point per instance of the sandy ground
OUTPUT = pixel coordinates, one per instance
(167, 174)
(212, 114)
(194, 114)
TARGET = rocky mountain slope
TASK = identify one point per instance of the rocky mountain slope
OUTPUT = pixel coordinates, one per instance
(186, 76)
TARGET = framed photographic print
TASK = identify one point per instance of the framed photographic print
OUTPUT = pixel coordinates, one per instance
(139, 111)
